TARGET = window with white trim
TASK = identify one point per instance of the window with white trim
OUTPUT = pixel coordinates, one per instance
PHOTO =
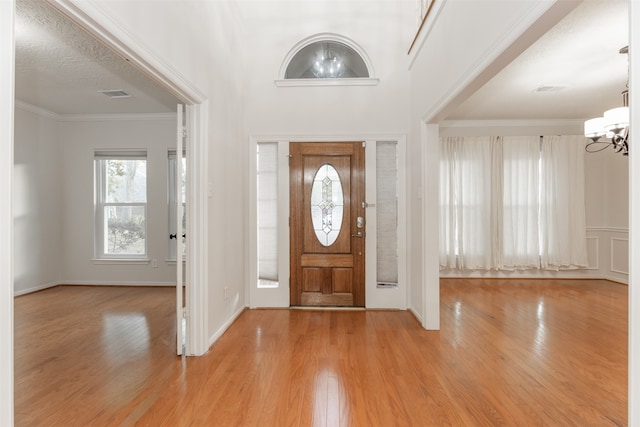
(326, 59)
(120, 204)
(387, 214)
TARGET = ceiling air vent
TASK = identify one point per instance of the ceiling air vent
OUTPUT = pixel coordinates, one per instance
(115, 93)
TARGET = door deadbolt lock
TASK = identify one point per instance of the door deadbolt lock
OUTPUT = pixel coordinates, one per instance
(360, 222)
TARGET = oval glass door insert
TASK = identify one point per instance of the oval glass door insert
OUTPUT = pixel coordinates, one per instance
(327, 204)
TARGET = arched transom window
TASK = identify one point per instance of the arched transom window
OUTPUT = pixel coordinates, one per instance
(326, 59)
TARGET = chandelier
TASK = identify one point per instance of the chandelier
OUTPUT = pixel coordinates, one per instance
(613, 126)
(328, 65)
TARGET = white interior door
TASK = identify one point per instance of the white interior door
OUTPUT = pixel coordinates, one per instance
(181, 139)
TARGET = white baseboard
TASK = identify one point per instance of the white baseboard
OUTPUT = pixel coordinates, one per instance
(35, 289)
(416, 314)
(89, 283)
(225, 326)
(623, 281)
(118, 283)
(583, 274)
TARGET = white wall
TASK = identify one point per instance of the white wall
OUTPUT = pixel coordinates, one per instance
(38, 244)
(607, 199)
(53, 216)
(383, 30)
(200, 41)
(7, 60)
(78, 139)
(449, 64)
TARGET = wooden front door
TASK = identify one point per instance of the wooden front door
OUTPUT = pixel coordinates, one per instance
(327, 224)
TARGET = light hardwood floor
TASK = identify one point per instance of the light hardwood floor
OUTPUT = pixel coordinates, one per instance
(513, 353)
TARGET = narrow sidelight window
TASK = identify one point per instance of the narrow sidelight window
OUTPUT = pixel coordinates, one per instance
(387, 213)
(267, 184)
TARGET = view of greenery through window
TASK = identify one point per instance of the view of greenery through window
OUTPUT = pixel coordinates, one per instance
(125, 206)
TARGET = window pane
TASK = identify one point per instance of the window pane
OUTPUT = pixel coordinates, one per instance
(126, 181)
(327, 200)
(326, 59)
(267, 204)
(125, 230)
(387, 213)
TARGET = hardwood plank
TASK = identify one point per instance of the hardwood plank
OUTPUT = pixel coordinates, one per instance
(510, 352)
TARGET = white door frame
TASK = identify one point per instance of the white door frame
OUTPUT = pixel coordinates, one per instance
(7, 66)
(93, 20)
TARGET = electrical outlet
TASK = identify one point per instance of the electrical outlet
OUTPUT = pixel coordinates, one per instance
(226, 292)
(154, 263)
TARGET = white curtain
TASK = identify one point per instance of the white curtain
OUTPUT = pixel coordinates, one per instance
(512, 203)
(447, 237)
(469, 195)
(520, 204)
(562, 220)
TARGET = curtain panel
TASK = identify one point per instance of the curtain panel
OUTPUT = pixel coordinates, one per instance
(510, 203)
(562, 209)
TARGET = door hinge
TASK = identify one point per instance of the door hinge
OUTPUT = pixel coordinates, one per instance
(184, 313)
(183, 132)
(364, 144)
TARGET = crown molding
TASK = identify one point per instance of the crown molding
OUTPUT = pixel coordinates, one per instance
(510, 123)
(115, 117)
(25, 106)
(42, 112)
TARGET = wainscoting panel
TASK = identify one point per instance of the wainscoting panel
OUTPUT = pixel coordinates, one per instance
(593, 252)
(607, 258)
(620, 255)
(608, 252)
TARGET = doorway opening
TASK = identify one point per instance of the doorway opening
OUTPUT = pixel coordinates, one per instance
(101, 31)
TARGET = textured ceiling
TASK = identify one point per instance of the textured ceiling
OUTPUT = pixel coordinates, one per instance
(61, 68)
(576, 64)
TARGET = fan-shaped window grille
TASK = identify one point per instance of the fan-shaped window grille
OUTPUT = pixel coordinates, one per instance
(326, 60)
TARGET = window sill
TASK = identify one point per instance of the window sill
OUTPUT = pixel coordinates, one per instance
(120, 261)
(172, 261)
(365, 81)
